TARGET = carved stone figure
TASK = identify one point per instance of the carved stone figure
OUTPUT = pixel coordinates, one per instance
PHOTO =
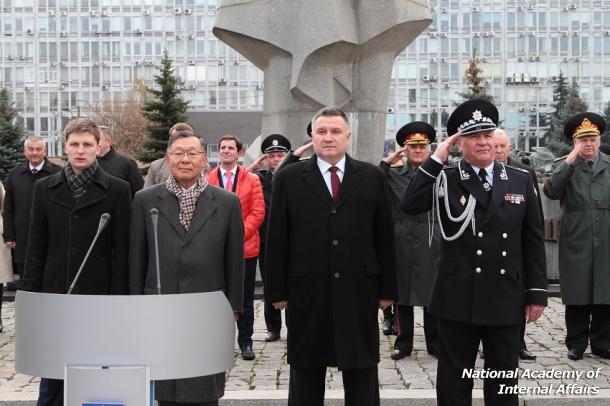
(317, 53)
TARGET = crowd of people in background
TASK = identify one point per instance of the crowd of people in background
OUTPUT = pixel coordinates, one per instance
(336, 241)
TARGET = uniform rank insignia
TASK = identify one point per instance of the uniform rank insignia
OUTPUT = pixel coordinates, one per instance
(503, 174)
(514, 198)
(463, 200)
(465, 175)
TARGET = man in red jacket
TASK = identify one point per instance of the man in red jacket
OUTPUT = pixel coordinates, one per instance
(238, 179)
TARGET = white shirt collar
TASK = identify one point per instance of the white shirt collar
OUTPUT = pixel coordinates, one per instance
(223, 171)
(192, 186)
(38, 168)
(489, 169)
(324, 166)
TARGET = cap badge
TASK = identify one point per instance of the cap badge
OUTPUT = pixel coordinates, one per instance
(586, 127)
(477, 116)
(274, 143)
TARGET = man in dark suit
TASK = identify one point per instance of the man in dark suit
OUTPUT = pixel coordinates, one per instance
(66, 212)
(117, 164)
(201, 240)
(19, 187)
(274, 149)
(330, 263)
(502, 154)
(492, 266)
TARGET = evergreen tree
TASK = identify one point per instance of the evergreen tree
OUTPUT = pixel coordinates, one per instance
(477, 85)
(163, 110)
(571, 105)
(11, 135)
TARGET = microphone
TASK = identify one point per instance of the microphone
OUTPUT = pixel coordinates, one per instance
(104, 220)
(154, 218)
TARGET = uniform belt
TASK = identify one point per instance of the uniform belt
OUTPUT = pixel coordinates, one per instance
(592, 206)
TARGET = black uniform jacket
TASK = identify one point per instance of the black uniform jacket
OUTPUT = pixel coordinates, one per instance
(331, 261)
(486, 276)
(62, 228)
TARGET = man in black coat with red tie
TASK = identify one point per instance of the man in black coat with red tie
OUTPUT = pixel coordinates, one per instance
(330, 264)
(492, 268)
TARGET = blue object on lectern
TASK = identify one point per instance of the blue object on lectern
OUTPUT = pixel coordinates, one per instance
(102, 404)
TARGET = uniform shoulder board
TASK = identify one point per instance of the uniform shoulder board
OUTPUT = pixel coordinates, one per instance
(561, 158)
(516, 168)
(449, 167)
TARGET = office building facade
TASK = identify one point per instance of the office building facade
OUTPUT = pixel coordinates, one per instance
(61, 57)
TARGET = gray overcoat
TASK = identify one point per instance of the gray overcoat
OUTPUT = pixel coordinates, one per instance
(416, 260)
(584, 236)
(208, 257)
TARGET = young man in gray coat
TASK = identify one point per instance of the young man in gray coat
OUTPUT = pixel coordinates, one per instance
(201, 240)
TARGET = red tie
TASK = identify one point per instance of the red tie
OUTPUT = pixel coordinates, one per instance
(229, 185)
(334, 182)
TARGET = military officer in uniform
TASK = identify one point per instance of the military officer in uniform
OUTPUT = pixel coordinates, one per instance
(582, 184)
(274, 149)
(416, 256)
(502, 151)
(492, 268)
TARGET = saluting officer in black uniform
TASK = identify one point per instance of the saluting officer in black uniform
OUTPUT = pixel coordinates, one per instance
(274, 149)
(492, 267)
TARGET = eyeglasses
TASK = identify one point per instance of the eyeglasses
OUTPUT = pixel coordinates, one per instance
(189, 154)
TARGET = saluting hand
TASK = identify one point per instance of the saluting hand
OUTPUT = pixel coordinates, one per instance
(574, 153)
(301, 150)
(258, 163)
(443, 149)
(395, 156)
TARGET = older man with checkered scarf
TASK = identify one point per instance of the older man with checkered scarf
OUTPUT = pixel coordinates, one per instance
(200, 234)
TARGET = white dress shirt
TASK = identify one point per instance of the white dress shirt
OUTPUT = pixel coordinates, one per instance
(324, 169)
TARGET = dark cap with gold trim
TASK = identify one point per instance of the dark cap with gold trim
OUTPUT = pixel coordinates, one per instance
(473, 116)
(275, 143)
(416, 133)
(584, 125)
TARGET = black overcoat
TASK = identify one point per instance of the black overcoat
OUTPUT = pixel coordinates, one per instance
(331, 261)
(122, 167)
(62, 228)
(19, 188)
(486, 276)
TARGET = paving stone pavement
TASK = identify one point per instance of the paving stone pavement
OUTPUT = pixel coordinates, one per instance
(270, 371)
(544, 338)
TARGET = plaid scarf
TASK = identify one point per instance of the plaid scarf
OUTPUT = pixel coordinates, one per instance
(187, 199)
(78, 183)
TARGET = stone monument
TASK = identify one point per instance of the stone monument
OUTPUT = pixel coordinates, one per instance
(317, 53)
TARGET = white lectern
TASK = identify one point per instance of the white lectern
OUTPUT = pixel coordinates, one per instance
(109, 348)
